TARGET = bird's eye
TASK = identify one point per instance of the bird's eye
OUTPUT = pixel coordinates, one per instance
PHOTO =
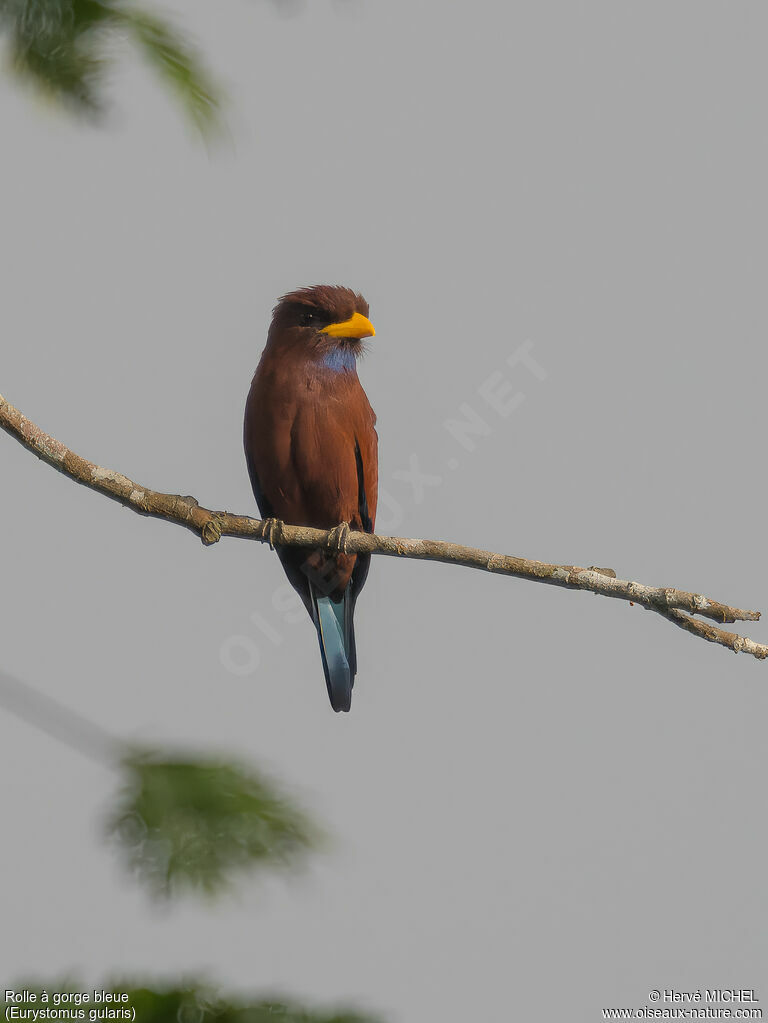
(309, 318)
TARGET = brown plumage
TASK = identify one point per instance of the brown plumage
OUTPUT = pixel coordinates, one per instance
(311, 449)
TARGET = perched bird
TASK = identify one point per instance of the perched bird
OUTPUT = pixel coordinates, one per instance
(312, 454)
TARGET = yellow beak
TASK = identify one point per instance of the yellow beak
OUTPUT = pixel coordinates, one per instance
(357, 325)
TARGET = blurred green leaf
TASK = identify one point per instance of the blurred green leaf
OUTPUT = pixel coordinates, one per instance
(64, 47)
(189, 825)
(188, 1003)
(195, 1005)
(176, 63)
(58, 45)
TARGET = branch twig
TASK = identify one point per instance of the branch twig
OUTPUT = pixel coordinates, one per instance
(677, 606)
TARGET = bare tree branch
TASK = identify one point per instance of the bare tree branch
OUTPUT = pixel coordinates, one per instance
(677, 606)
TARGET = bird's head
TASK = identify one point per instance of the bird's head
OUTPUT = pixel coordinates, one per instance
(330, 321)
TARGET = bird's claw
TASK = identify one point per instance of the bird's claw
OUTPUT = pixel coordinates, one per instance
(272, 531)
(338, 536)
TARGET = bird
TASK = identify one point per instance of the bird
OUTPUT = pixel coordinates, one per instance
(311, 449)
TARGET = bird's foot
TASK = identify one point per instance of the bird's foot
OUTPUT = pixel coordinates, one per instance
(338, 536)
(272, 531)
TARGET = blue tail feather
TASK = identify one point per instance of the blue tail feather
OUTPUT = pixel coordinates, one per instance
(333, 621)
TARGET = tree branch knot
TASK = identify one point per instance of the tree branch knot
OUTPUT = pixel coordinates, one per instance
(211, 531)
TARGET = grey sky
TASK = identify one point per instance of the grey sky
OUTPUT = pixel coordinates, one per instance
(543, 803)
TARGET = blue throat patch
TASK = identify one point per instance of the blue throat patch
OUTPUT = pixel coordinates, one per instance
(339, 359)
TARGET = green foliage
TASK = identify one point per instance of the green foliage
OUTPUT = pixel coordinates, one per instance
(187, 1003)
(64, 47)
(189, 825)
(191, 1003)
(175, 63)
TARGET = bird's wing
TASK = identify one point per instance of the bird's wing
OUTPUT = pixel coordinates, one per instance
(367, 465)
(269, 416)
